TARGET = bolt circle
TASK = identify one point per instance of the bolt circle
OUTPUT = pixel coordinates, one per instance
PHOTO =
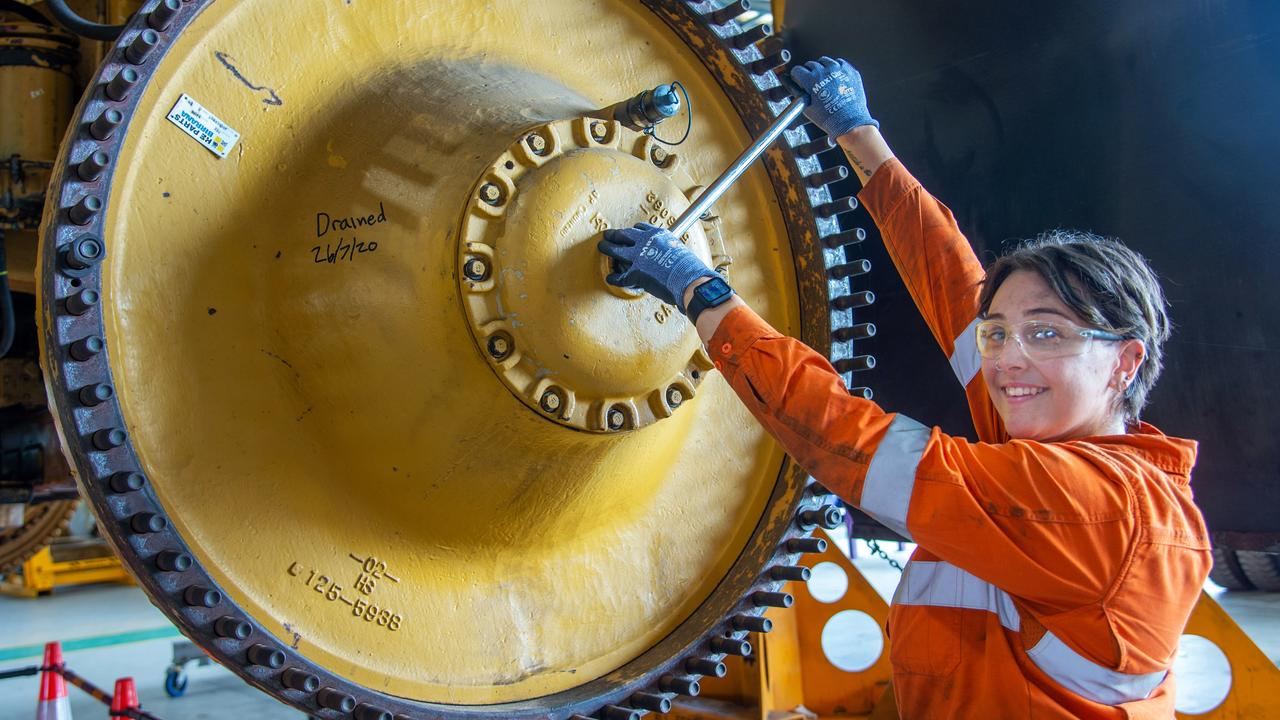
(551, 401)
(476, 269)
(675, 396)
(491, 194)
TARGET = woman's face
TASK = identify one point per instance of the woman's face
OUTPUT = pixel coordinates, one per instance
(1060, 398)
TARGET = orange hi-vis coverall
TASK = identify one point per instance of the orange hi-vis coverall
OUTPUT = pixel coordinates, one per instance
(1052, 580)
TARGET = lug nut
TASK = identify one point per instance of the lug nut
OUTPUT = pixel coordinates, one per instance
(617, 419)
(336, 700)
(84, 349)
(658, 155)
(369, 712)
(491, 194)
(96, 394)
(163, 15)
(764, 598)
(551, 401)
(854, 300)
(706, 666)
(675, 396)
(598, 131)
(299, 680)
(196, 596)
(83, 212)
(233, 628)
(856, 363)
(806, 545)
(122, 84)
(266, 656)
(827, 516)
(82, 254)
(91, 168)
(753, 623)
(126, 482)
(142, 46)
(499, 347)
(105, 126)
(108, 438)
(861, 331)
(729, 646)
(174, 561)
(476, 269)
(683, 684)
(789, 572)
(537, 144)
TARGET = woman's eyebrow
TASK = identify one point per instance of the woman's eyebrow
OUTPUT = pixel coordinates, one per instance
(1048, 311)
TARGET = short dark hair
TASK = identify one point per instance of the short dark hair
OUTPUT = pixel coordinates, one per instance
(1104, 282)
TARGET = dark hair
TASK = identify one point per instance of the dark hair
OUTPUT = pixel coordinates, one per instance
(1108, 285)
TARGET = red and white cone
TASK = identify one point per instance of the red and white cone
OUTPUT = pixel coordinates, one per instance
(125, 698)
(54, 703)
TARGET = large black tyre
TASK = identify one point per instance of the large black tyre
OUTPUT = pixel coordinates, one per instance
(1226, 570)
(1262, 569)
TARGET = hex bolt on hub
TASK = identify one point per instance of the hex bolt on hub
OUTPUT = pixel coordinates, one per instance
(598, 131)
(659, 156)
(476, 269)
(551, 401)
(617, 419)
(491, 194)
(499, 347)
(537, 144)
(675, 396)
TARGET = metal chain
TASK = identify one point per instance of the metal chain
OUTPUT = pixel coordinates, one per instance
(880, 553)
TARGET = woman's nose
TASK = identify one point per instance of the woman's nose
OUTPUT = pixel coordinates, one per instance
(1012, 356)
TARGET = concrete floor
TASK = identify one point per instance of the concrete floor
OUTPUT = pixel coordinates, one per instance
(113, 631)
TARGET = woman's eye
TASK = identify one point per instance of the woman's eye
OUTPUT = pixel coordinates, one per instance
(1044, 332)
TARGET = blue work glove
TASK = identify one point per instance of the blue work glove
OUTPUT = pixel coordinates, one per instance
(837, 100)
(652, 259)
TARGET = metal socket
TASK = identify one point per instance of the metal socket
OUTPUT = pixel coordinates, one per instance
(145, 523)
(861, 331)
(83, 212)
(854, 300)
(92, 167)
(105, 126)
(204, 597)
(82, 302)
(651, 701)
(751, 36)
(232, 628)
(96, 394)
(826, 177)
(174, 561)
(706, 666)
(126, 482)
(365, 711)
(814, 147)
(850, 269)
(730, 646)
(857, 363)
(806, 545)
(299, 680)
(120, 86)
(86, 348)
(141, 47)
(848, 237)
(108, 439)
(266, 656)
(335, 700)
(682, 684)
(836, 207)
(764, 598)
(162, 16)
(753, 623)
(862, 392)
(614, 712)
(789, 572)
(769, 62)
(722, 16)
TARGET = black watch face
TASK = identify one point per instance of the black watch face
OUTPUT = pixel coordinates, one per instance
(714, 291)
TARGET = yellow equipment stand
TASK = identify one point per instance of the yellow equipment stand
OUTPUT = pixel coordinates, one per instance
(73, 562)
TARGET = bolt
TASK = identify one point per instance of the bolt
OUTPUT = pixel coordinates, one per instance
(476, 269)
(491, 194)
(598, 131)
(659, 156)
(550, 401)
(537, 144)
(617, 419)
(499, 347)
(675, 396)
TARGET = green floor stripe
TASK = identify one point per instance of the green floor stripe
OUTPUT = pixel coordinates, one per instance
(97, 641)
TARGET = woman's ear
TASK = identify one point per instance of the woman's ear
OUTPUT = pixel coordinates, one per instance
(1132, 355)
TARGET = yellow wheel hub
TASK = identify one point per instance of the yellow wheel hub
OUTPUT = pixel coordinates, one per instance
(533, 282)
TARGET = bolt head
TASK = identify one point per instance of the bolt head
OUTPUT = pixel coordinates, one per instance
(617, 419)
(476, 269)
(550, 401)
(658, 155)
(537, 143)
(675, 396)
(491, 194)
(499, 347)
(597, 130)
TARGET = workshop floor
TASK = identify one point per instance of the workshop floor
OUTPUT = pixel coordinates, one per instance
(114, 631)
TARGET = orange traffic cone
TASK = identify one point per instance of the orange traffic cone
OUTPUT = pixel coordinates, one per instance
(125, 698)
(54, 703)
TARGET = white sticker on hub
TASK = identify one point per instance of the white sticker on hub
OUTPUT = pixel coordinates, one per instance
(204, 126)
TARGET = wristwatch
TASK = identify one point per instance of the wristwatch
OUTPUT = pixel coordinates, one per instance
(708, 295)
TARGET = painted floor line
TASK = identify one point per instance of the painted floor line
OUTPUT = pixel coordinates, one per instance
(97, 641)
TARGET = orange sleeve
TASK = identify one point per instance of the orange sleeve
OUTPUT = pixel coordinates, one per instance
(1045, 522)
(940, 271)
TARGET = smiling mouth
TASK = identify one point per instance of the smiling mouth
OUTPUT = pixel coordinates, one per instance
(1023, 392)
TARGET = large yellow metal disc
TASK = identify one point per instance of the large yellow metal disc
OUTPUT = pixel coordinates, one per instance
(340, 478)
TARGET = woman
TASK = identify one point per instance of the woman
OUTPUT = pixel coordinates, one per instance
(1059, 558)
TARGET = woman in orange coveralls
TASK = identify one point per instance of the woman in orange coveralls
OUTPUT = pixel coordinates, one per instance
(1059, 558)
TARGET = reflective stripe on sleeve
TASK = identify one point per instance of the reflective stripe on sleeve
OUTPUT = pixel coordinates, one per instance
(886, 494)
(942, 584)
(965, 359)
(1088, 679)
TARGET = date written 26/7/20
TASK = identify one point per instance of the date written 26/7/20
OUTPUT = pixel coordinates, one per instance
(344, 250)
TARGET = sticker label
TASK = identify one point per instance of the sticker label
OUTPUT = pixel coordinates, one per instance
(204, 126)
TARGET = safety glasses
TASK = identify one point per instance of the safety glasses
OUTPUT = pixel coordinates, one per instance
(1039, 339)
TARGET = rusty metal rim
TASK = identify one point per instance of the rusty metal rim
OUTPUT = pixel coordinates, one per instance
(110, 473)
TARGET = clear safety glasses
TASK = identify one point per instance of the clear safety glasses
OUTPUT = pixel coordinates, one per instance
(1039, 339)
